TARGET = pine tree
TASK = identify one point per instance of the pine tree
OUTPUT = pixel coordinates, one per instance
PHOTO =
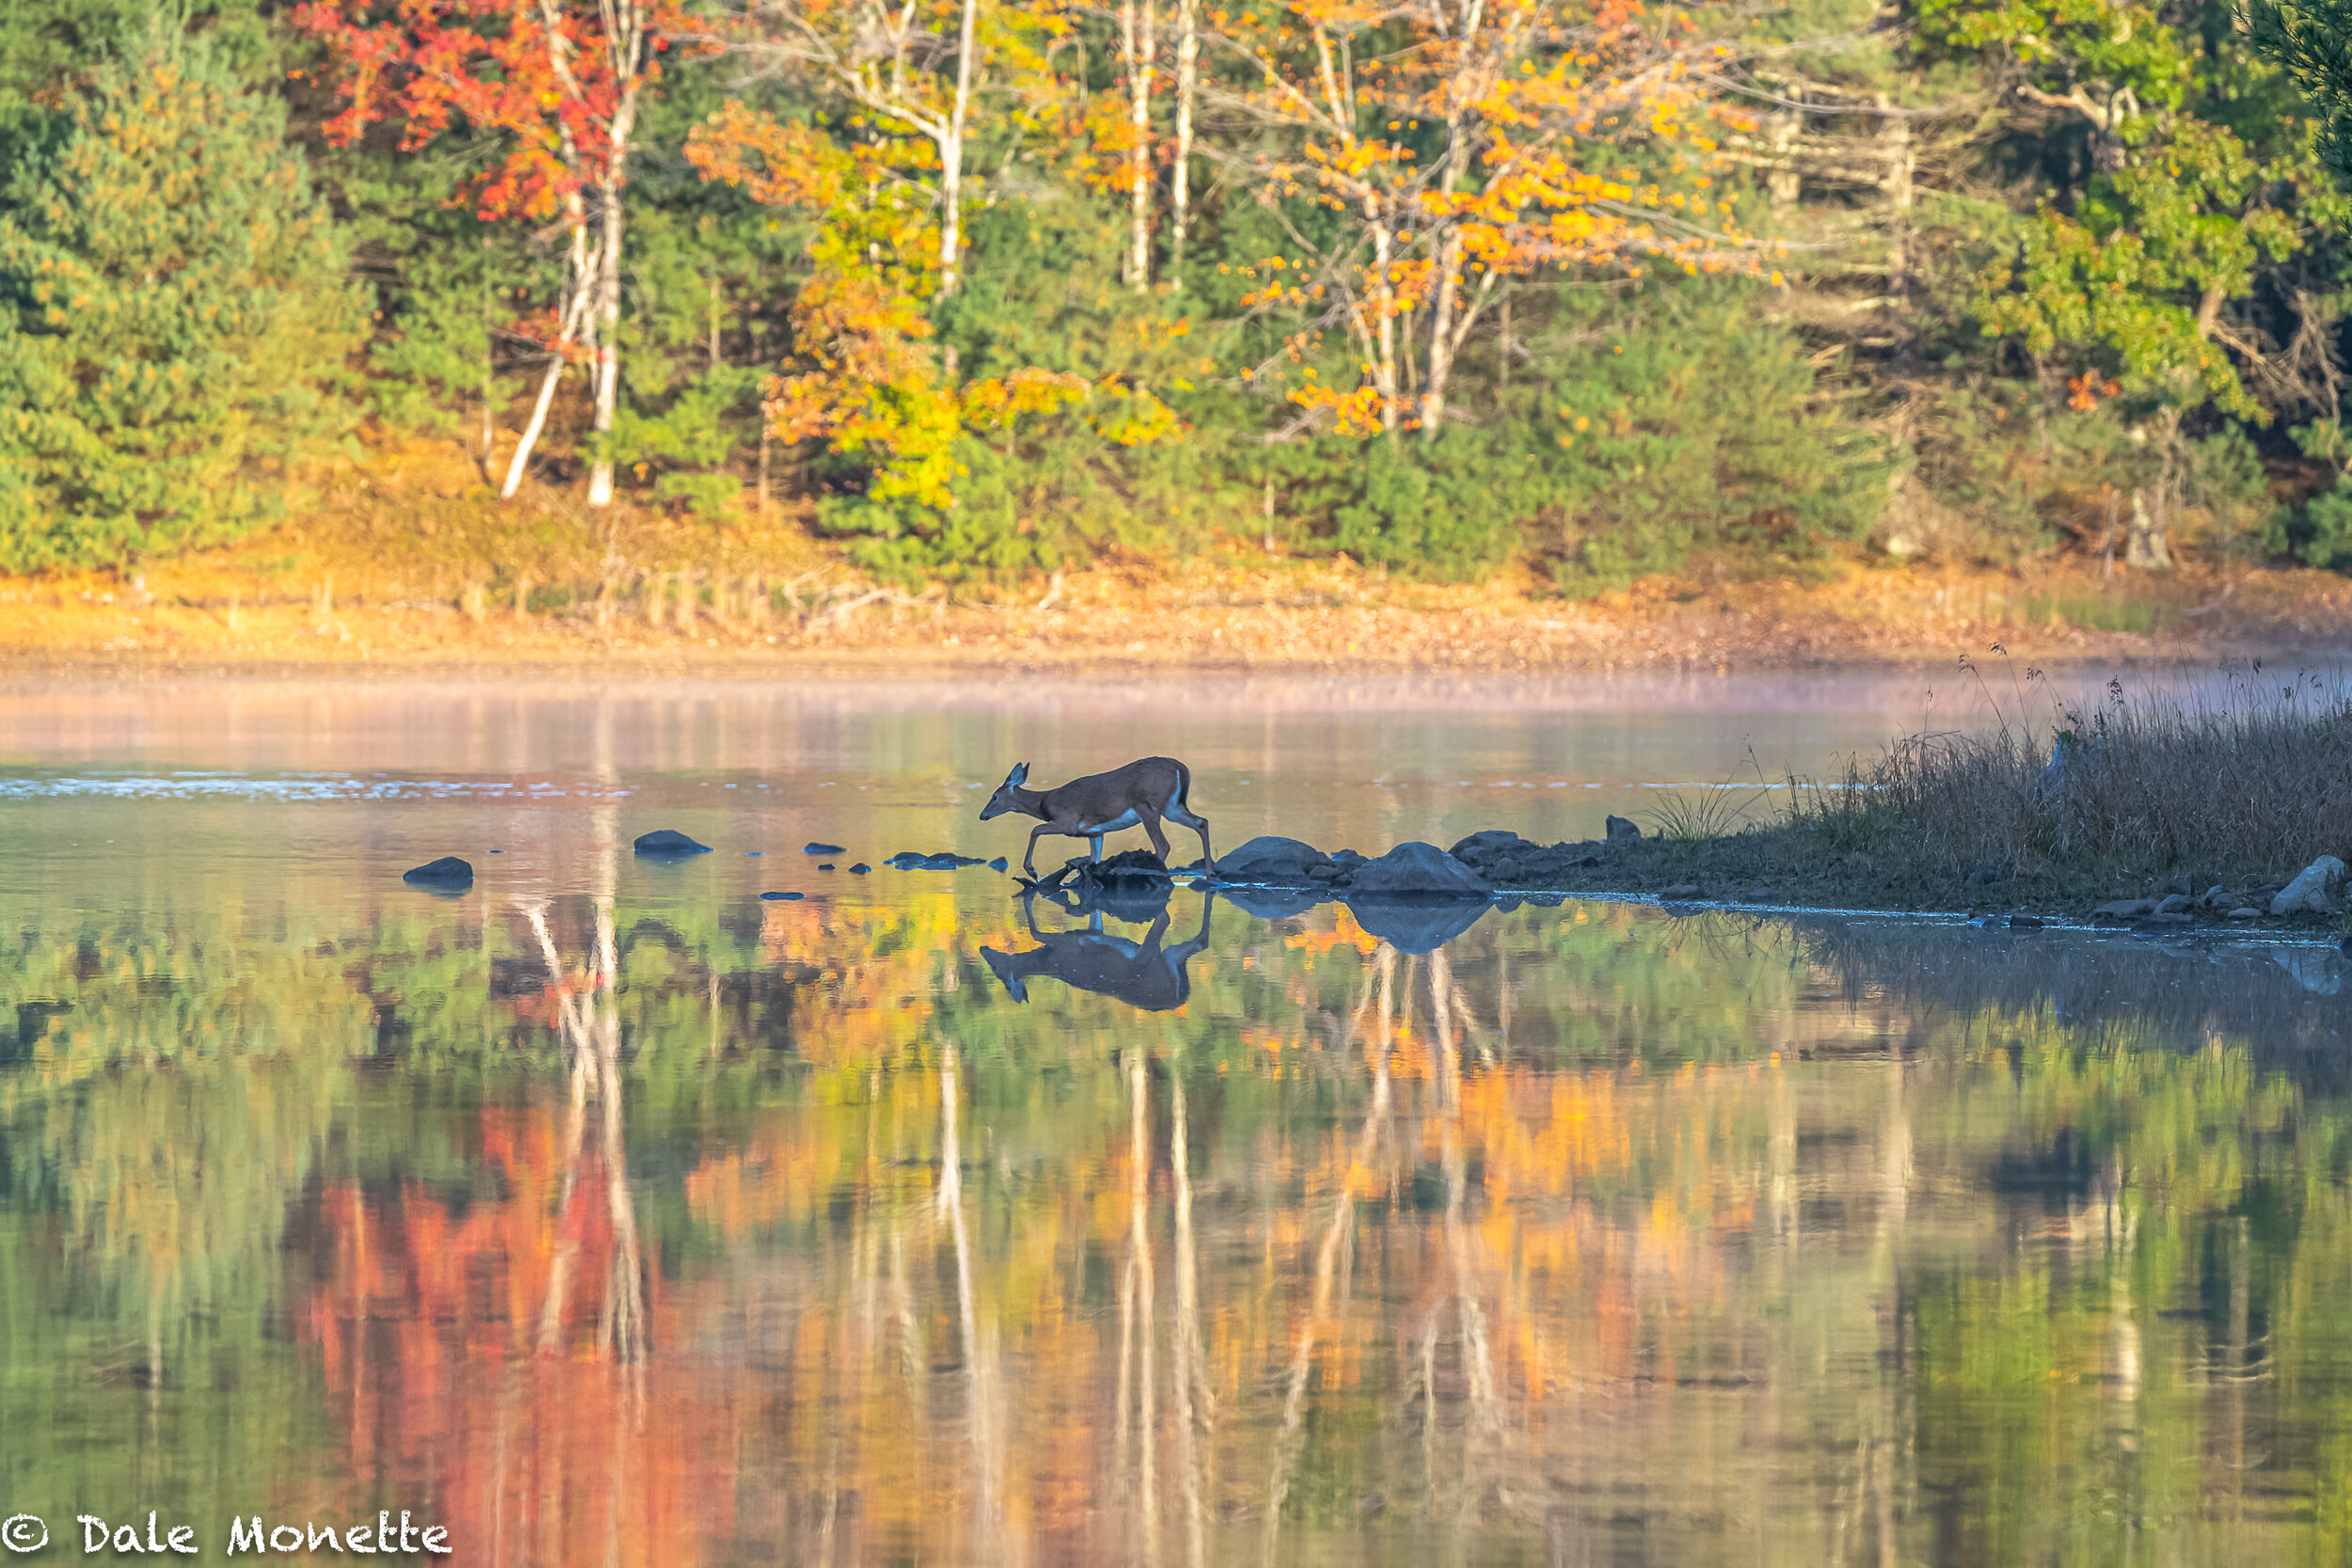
(2313, 38)
(174, 307)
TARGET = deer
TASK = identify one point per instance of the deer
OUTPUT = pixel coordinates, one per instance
(1139, 794)
(1141, 974)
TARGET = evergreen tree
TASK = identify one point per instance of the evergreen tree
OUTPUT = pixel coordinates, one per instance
(174, 307)
(2313, 38)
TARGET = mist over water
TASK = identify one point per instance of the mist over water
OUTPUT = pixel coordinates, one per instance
(607, 1214)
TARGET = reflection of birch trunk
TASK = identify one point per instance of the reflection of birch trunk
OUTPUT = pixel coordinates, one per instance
(1894, 1208)
(977, 1395)
(1140, 1241)
(589, 1025)
(1287, 1443)
(1188, 1358)
(1470, 1312)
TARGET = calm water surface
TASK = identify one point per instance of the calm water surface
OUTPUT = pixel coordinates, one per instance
(609, 1214)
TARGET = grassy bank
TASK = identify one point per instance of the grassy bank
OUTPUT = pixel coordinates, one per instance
(2198, 812)
(409, 561)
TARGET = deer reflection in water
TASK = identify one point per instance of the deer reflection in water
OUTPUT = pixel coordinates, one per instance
(1141, 974)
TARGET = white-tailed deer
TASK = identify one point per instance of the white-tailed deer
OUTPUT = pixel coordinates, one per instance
(1138, 794)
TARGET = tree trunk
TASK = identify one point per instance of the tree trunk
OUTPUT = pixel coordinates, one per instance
(1383, 300)
(607, 316)
(1902, 161)
(1135, 48)
(566, 332)
(1187, 78)
(951, 159)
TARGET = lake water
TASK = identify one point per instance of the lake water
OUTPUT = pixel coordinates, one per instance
(610, 1214)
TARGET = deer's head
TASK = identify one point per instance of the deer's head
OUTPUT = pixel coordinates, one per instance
(1002, 802)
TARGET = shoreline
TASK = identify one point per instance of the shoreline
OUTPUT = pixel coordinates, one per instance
(247, 614)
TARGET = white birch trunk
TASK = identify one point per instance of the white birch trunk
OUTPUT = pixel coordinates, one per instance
(951, 159)
(1187, 80)
(1136, 43)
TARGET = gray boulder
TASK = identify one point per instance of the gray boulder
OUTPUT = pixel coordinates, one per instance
(1621, 831)
(1270, 859)
(449, 871)
(667, 841)
(2309, 891)
(1417, 870)
(1487, 844)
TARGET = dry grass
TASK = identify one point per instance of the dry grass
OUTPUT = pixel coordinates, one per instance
(2254, 781)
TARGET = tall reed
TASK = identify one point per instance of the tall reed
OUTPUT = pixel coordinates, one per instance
(2252, 779)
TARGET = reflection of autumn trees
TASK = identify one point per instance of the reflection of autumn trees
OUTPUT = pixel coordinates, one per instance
(656, 1235)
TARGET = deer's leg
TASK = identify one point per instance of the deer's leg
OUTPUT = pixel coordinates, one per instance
(1180, 812)
(1028, 862)
(1098, 848)
(1151, 825)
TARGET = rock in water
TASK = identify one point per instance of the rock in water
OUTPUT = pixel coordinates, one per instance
(449, 871)
(1621, 830)
(813, 847)
(2308, 892)
(1270, 860)
(780, 897)
(1126, 865)
(1487, 844)
(667, 841)
(1417, 870)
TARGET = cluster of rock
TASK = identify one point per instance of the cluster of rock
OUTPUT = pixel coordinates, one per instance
(2317, 889)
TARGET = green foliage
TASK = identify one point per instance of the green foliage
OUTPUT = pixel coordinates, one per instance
(174, 307)
(2320, 534)
(1695, 426)
(2312, 40)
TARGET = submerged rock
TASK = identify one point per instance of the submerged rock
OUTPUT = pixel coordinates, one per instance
(780, 897)
(449, 871)
(813, 847)
(915, 860)
(666, 841)
(860, 869)
(1417, 870)
(2308, 894)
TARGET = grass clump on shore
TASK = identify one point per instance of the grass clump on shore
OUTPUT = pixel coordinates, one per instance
(2127, 801)
(2251, 784)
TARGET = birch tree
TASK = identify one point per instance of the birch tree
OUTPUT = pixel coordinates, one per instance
(1463, 142)
(562, 84)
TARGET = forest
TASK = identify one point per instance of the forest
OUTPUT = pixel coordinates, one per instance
(1587, 290)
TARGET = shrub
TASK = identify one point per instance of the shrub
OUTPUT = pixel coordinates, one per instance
(174, 307)
(2321, 533)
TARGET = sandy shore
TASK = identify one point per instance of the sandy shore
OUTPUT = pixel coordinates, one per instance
(226, 615)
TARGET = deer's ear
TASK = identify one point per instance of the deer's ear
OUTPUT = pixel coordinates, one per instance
(1020, 773)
